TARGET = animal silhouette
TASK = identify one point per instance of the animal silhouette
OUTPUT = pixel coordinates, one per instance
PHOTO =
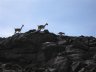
(18, 30)
(41, 27)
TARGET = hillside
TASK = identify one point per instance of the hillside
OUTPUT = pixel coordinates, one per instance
(48, 52)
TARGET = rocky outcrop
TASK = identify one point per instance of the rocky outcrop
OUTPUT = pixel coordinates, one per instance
(47, 52)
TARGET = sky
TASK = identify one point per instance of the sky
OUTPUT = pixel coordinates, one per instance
(73, 17)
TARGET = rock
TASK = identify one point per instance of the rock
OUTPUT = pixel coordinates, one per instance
(62, 64)
(62, 42)
(42, 51)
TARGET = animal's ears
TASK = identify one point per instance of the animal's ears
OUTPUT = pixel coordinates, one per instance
(22, 25)
(46, 23)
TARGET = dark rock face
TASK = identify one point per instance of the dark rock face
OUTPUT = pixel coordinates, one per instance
(45, 52)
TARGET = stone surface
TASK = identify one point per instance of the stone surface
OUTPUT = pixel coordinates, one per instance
(46, 52)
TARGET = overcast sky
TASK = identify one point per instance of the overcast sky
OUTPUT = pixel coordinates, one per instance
(74, 17)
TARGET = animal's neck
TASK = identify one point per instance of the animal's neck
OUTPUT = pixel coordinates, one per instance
(44, 25)
(21, 27)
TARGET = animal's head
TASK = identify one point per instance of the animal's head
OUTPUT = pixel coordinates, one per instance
(22, 25)
(46, 24)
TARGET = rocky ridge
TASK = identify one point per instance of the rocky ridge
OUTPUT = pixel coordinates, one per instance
(48, 52)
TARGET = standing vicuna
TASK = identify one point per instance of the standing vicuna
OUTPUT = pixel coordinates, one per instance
(18, 30)
(40, 27)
